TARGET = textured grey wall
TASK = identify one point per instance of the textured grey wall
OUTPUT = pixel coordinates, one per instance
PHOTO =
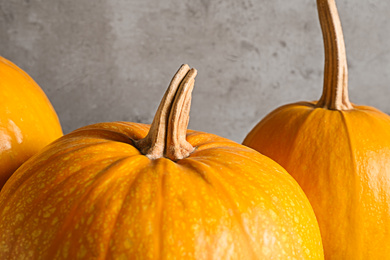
(107, 60)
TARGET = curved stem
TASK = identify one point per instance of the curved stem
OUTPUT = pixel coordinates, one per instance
(167, 134)
(177, 146)
(335, 91)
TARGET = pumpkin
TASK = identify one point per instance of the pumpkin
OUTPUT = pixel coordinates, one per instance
(28, 121)
(338, 152)
(125, 190)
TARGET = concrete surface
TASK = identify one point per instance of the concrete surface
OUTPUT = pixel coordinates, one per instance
(107, 60)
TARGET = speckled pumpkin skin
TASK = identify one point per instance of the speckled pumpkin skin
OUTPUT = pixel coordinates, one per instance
(92, 195)
(341, 159)
(28, 121)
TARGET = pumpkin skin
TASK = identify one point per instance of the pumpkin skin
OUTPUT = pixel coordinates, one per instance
(28, 121)
(93, 195)
(339, 153)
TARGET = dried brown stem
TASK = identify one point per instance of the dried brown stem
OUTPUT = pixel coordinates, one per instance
(167, 134)
(335, 91)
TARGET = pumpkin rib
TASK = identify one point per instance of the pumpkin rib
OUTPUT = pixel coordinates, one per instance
(308, 116)
(254, 132)
(36, 168)
(194, 169)
(369, 111)
(223, 144)
(72, 175)
(356, 186)
(104, 134)
(105, 174)
(161, 214)
(354, 174)
(51, 161)
(245, 156)
(44, 196)
(227, 197)
(226, 145)
(62, 183)
(312, 110)
(126, 125)
(350, 143)
(220, 178)
(188, 165)
(129, 190)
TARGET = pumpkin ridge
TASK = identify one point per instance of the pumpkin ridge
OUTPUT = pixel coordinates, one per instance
(296, 148)
(26, 220)
(254, 132)
(216, 182)
(356, 206)
(22, 183)
(192, 168)
(161, 214)
(129, 190)
(219, 179)
(129, 129)
(160, 202)
(308, 115)
(126, 125)
(72, 175)
(104, 134)
(73, 211)
(56, 185)
(212, 145)
(368, 111)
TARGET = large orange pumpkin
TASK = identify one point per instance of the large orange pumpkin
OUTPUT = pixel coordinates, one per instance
(28, 121)
(129, 191)
(339, 153)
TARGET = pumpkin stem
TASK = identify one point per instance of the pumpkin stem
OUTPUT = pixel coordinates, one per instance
(167, 134)
(335, 91)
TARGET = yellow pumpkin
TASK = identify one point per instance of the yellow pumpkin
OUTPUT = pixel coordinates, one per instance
(28, 121)
(132, 191)
(339, 153)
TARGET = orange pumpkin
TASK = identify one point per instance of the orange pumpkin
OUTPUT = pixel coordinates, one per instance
(339, 153)
(28, 121)
(129, 191)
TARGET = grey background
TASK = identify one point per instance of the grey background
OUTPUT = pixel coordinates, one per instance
(108, 60)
